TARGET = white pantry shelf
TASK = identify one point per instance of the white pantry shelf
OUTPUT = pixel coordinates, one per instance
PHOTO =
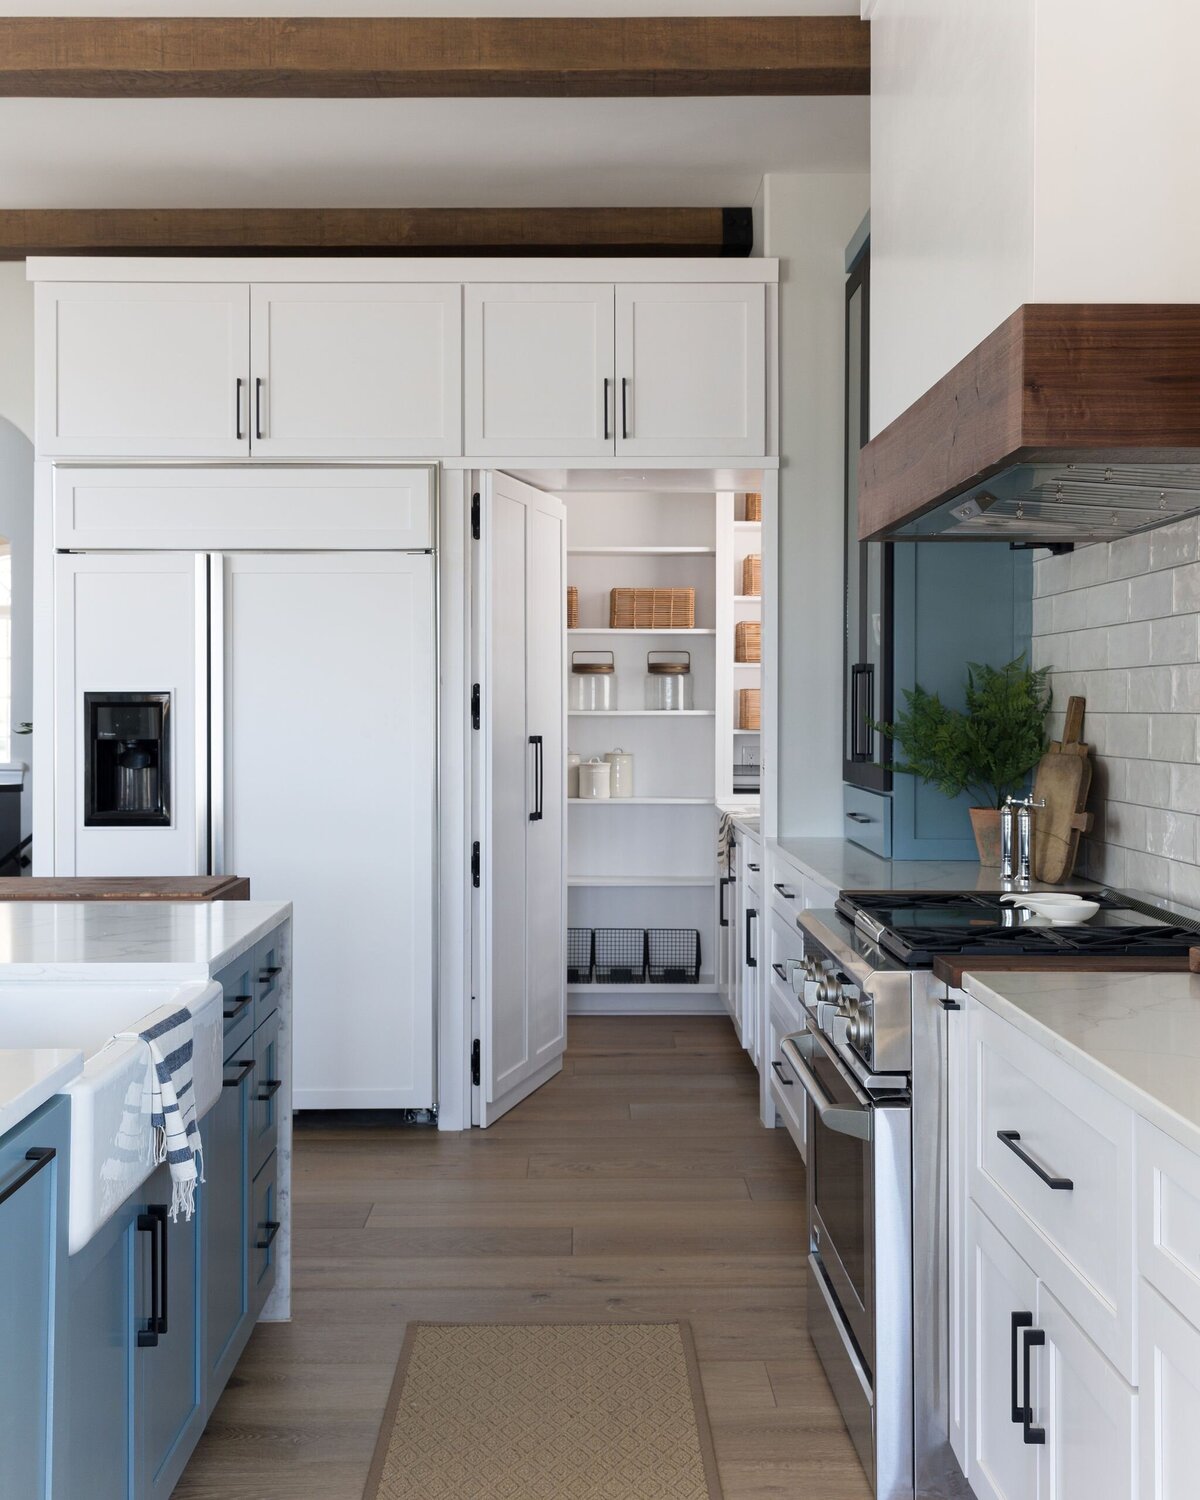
(641, 552)
(640, 630)
(747, 526)
(638, 882)
(642, 713)
(747, 731)
(747, 598)
(641, 801)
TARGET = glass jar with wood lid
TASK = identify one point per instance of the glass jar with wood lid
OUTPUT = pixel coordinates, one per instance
(669, 680)
(593, 682)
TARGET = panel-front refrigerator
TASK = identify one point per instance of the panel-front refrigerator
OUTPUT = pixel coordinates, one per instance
(273, 715)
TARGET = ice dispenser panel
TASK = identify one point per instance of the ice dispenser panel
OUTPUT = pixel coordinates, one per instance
(127, 775)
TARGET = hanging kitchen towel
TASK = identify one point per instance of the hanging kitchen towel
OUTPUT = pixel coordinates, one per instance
(176, 1140)
(724, 838)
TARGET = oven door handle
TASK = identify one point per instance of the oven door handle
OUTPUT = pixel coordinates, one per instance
(854, 1120)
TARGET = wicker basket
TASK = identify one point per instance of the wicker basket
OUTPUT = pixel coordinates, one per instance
(747, 640)
(753, 506)
(752, 574)
(572, 607)
(749, 708)
(652, 609)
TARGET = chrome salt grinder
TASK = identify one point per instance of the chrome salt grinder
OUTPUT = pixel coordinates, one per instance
(1008, 819)
(1025, 812)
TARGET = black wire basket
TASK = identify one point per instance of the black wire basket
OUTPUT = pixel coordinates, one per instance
(620, 955)
(580, 946)
(673, 955)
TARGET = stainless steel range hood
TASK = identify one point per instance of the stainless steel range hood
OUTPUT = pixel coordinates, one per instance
(1069, 424)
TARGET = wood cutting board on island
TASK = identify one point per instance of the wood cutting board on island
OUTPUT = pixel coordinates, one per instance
(1062, 781)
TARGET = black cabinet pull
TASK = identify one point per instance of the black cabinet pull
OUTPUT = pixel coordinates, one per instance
(862, 706)
(857, 817)
(753, 867)
(1019, 1320)
(751, 960)
(779, 969)
(1010, 1139)
(270, 1087)
(725, 882)
(778, 1066)
(606, 406)
(1034, 1338)
(784, 892)
(38, 1157)
(147, 1338)
(258, 385)
(237, 409)
(238, 1005)
(269, 973)
(246, 1068)
(538, 777)
(624, 407)
(948, 1004)
(272, 1227)
(159, 1210)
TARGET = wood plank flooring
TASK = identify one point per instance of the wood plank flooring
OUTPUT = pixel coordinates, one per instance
(638, 1184)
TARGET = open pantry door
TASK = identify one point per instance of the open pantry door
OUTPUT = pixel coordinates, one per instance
(521, 814)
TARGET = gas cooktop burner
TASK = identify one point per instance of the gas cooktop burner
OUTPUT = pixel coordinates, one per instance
(918, 926)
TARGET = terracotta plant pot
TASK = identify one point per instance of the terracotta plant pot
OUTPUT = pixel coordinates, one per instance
(985, 821)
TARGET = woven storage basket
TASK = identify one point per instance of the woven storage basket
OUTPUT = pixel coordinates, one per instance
(752, 574)
(749, 708)
(572, 607)
(753, 506)
(652, 609)
(747, 640)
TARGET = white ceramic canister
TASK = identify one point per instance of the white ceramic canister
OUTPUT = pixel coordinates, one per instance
(621, 781)
(595, 778)
(573, 764)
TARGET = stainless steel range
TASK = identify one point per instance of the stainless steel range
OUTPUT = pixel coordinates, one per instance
(873, 1060)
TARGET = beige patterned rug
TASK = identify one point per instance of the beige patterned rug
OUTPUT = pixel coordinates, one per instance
(549, 1411)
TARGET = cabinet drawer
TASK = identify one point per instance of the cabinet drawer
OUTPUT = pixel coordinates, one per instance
(269, 963)
(1168, 1400)
(264, 1233)
(787, 895)
(786, 949)
(237, 990)
(1061, 1129)
(267, 1093)
(1168, 1218)
(787, 1092)
(867, 820)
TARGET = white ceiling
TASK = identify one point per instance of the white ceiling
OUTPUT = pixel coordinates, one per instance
(363, 153)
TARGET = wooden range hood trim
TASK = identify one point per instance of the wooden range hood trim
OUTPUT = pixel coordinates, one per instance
(1106, 382)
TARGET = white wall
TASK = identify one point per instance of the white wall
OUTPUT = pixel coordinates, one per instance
(16, 346)
(807, 221)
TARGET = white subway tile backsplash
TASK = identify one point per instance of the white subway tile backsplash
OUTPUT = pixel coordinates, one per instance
(1125, 825)
(1052, 574)
(1089, 566)
(1088, 649)
(1184, 795)
(1175, 544)
(1171, 834)
(1130, 557)
(1172, 737)
(1129, 645)
(1147, 874)
(1176, 638)
(1185, 883)
(1043, 616)
(1149, 690)
(1147, 782)
(1150, 596)
(1185, 589)
(1069, 611)
(1108, 603)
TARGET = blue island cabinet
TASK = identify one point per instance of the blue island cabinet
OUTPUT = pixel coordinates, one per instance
(33, 1222)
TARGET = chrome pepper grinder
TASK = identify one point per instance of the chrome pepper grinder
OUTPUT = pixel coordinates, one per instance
(1008, 845)
(1021, 813)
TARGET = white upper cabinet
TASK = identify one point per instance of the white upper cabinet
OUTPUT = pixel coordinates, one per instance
(132, 368)
(356, 370)
(691, 370)
(539, 375)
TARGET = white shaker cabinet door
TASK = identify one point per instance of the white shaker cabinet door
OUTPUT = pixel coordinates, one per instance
(1168, 1400)
(327, 799)
(131, 623)
(691, 370)
(142, 369)
(356, 370)
(539, 370)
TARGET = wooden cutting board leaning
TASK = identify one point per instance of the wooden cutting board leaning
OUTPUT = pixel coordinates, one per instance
(1063, 780)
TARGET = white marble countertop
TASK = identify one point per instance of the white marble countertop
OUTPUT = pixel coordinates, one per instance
(129, 939)
(1136, 1035)
(845, 866)
(31, 1075)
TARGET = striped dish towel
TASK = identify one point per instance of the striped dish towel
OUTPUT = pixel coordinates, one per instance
(176, 1141)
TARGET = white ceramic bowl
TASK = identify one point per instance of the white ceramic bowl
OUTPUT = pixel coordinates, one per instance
(1060, 908)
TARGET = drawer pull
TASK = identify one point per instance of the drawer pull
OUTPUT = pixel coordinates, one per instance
(39, 1156)
(857, 817)
(778, 1066)
(1034, 1338)
(272, 1228)
(239, 1003)
(948, 1004)
(246, 1067)
(1010, 1139)
(1019, 1320)
(268, 974)
(782, 973)
(784, 892)
(270, 1088)
(753, 867)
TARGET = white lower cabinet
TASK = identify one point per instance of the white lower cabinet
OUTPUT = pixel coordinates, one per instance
(1168, 1400)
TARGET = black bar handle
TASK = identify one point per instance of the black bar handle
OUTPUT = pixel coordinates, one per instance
(1034, 1338)
(606, 433)
(159, 1210)
(1010, 1139)
(778, 1066)
(237, 409)
(1019, 1320)
(258, 385)
(536, 741)
(246, 1068)
(755, 868)
(269, 973)
(781, 972)
(237, 1006)
(784, 892)
(751, 959)
(948, 1004)
(725, 882)
(624, 407)
(857, 817)
(272, 1226)
(147, 1338)
(270, 1087)
(39, 1157)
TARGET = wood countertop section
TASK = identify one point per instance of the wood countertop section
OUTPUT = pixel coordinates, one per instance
(125, 888)
(950, 970)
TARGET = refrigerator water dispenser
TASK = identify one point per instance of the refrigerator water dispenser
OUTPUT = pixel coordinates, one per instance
(127, 765)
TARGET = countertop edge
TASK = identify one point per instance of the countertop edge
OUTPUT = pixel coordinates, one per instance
(16, 1108)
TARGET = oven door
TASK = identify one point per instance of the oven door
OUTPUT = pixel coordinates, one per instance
(841, 1206)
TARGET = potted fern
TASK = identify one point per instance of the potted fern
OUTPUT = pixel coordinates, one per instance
(987, 750)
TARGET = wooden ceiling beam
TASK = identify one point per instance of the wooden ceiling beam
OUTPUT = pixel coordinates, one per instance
(233, 57)
(374, 231)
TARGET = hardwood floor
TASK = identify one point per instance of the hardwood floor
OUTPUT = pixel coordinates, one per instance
(638, 1184)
